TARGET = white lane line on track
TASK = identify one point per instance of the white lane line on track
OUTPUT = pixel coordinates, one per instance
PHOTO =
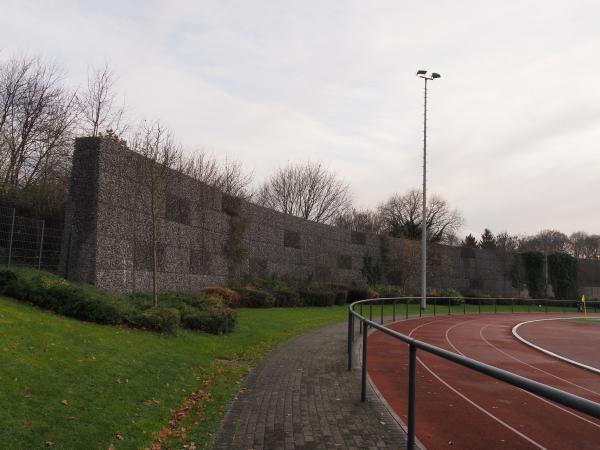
(532, 366)
(548, 352)
(471, 402)
(554, 405)
(537, 396)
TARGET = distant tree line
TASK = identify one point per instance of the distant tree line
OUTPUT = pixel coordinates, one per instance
(579, 244)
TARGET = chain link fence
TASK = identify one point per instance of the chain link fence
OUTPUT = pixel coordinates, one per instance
(28, 242)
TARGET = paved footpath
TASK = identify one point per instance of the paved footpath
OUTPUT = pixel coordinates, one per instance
(302, 397)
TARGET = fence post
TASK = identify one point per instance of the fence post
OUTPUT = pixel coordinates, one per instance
(495, 304)
(412, 385)
(361, 315)
(448, 305)
(434, 303)
(464, 306)
(350, 330)
(512, 305)
(382, 303)
(363, 392)
(406, 315)
(41, 245)
(10, 242)
(394, 311)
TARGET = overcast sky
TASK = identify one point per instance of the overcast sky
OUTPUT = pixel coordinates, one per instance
(514, 122)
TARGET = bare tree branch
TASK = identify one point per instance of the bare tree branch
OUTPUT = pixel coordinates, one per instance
(306, 190)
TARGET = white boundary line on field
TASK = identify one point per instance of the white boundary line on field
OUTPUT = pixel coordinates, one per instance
(548, 352)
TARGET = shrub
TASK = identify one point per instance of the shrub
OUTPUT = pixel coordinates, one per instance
(340, 297)
(391, 291)
(317, 297)
(361, 293)
(452, 295)
(286, 297)
(58, 295)
(161, 319)
(211, 320)
(228, 296)
(256, 298)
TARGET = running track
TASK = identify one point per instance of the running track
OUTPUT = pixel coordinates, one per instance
(459, 408)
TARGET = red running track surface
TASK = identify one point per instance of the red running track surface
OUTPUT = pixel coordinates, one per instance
(460, 408)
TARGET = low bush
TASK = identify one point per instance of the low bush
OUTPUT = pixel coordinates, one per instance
(257, 298)
(92, 305)
(453, 296)
(160, 319)
(286, 297)
(211, 320)
(390, 291)
(229, 297)
(317, 297)
(56, 294)
(361, 293)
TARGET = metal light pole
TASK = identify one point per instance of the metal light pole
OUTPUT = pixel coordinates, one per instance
(426, 76)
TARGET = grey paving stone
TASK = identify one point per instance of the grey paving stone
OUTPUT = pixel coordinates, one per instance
(302, 397)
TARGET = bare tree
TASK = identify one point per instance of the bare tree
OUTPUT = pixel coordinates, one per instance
(306, 190)
(234, 181)
(98, 103)
(37, 117)
(546, 241)
(401, 216)
(229, 176)
(160, 157)
(507, 242)
(584, 245)
(359, 220)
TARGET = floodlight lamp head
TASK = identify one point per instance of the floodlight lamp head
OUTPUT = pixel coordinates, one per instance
(435, 75)
(421, 72)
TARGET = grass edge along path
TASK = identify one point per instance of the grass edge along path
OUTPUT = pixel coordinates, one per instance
(71, 384)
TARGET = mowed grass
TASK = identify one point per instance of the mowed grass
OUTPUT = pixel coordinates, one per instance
(67, 384)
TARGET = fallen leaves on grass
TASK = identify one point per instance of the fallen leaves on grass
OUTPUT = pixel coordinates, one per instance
(64, 402)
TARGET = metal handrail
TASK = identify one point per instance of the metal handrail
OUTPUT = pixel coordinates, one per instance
(548, 392)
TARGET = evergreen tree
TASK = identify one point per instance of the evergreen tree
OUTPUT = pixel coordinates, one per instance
(487, 240)
(470, 241)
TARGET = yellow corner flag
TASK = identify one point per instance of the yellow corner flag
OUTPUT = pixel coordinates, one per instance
(584, 308)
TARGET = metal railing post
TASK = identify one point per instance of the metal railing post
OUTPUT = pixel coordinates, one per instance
(434, 303)
(10, 242)
(41, 245)
(360, 325)
(406, 315)
(394, 311)
(363, 391)
(381, 319)
(479, 307)
(495, 305)
(448, 305)
(464, 306)
(412, 386)
(350, 330)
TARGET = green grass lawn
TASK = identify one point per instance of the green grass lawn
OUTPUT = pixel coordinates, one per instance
(67, 384)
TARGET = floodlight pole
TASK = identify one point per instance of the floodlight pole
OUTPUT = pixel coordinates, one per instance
(424, 74)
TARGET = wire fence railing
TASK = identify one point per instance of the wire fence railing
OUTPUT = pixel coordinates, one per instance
(28, 242)
(370, 312)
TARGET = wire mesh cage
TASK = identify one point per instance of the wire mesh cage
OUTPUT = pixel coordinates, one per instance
(28, 242)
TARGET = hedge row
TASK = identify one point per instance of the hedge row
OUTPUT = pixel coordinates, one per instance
(86, 303)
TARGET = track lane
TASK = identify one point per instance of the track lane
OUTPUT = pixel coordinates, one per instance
(530, 416)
